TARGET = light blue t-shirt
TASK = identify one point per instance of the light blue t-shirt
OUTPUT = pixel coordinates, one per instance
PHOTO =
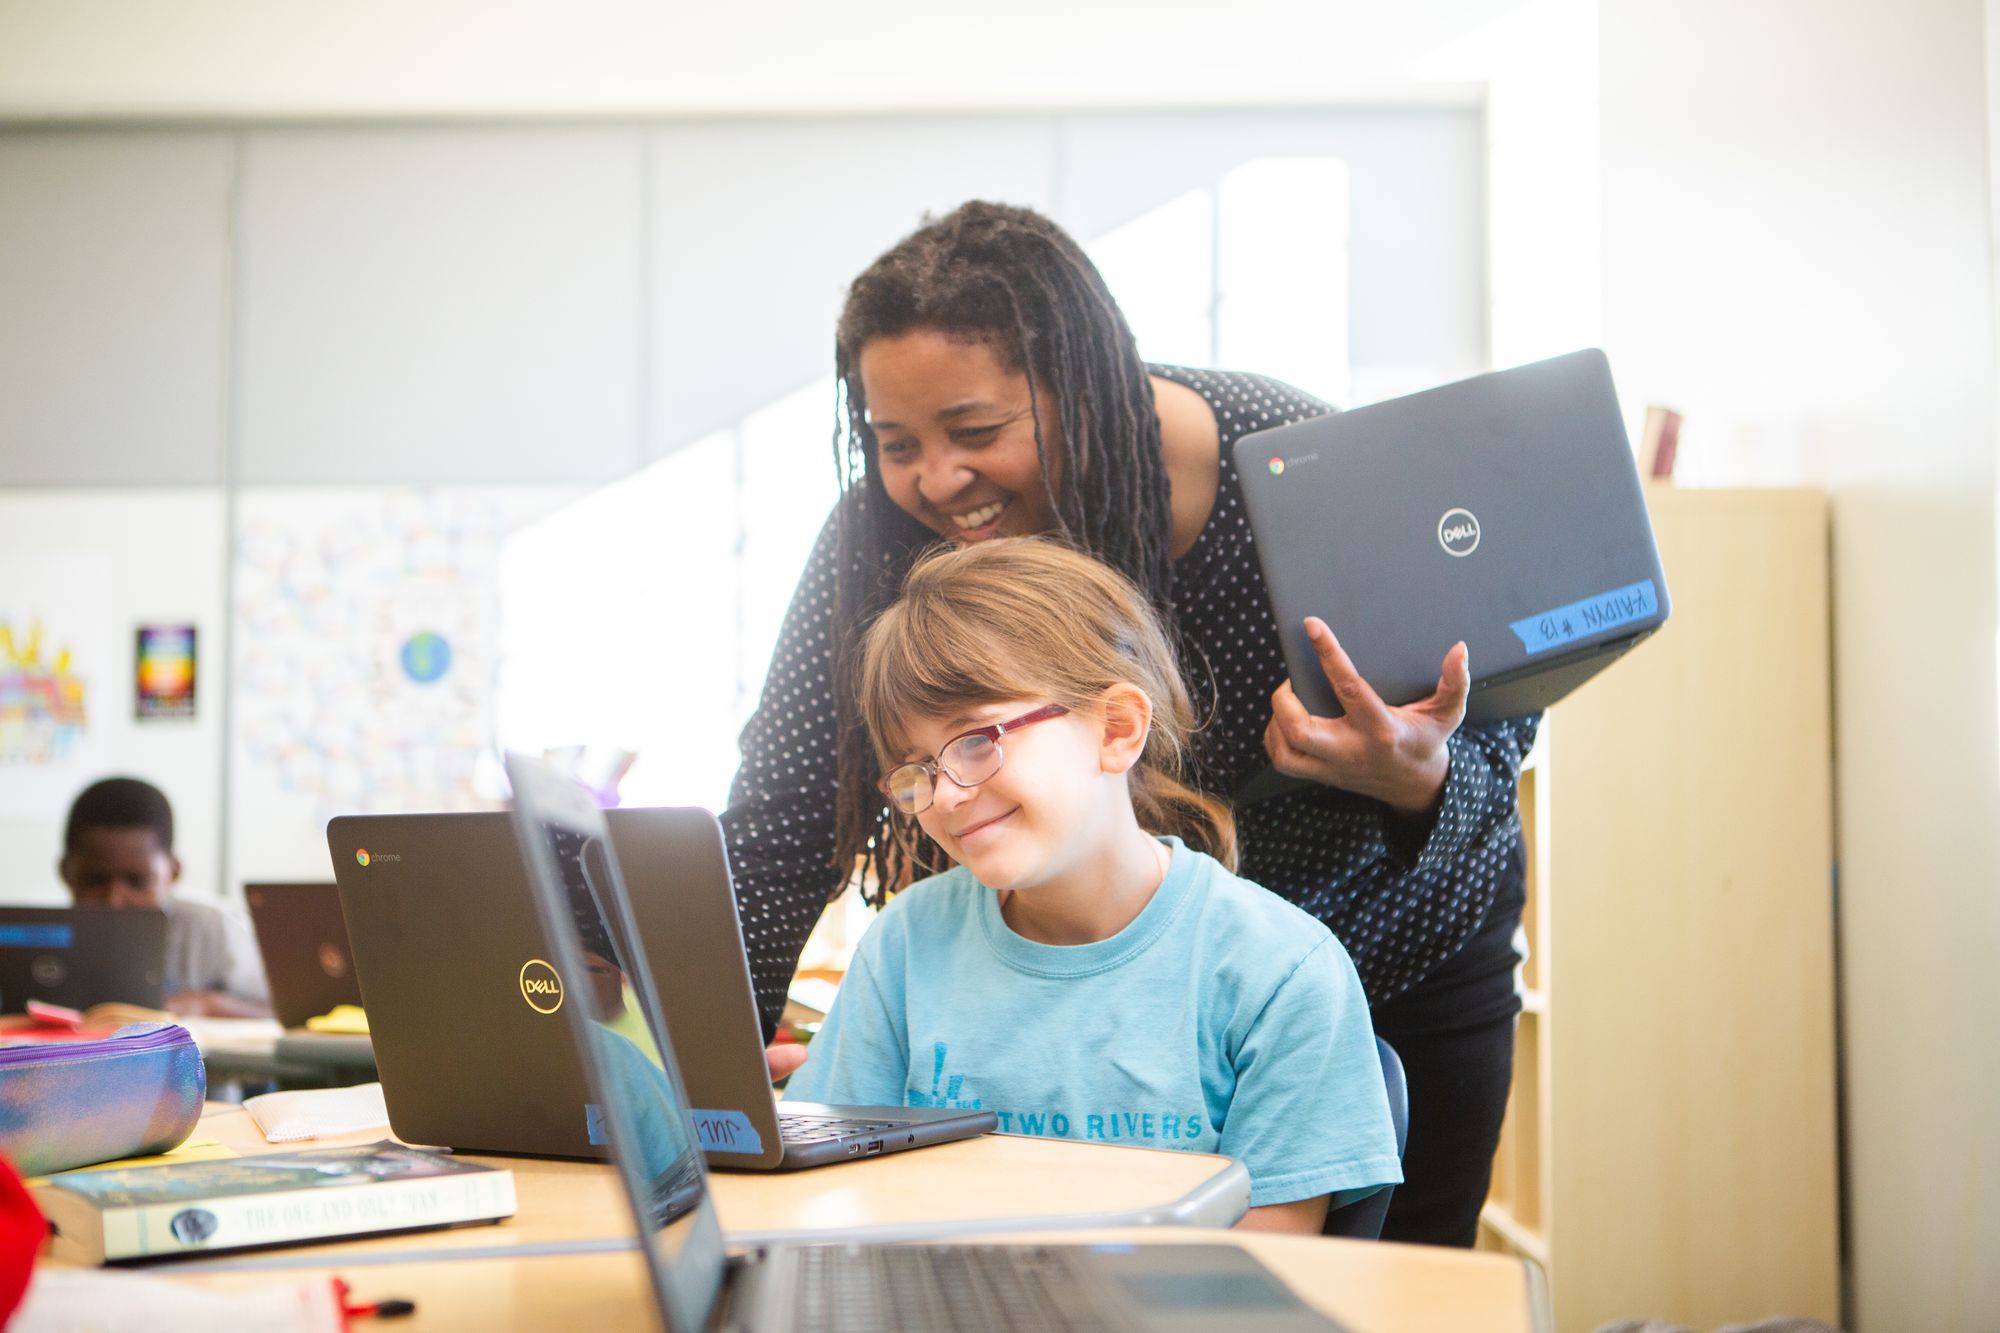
(1222, 1019)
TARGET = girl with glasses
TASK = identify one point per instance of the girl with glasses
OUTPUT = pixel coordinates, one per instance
(1089, 968)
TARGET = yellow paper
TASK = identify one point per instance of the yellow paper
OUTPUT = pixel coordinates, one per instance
(341, 1018)
(194, 1150)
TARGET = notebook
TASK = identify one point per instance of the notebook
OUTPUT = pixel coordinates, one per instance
(446, 944)
(654, 1144)
(303, 938)
(1504, 510)
(80, 956)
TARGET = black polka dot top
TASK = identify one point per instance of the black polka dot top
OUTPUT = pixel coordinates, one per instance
(1401, 899)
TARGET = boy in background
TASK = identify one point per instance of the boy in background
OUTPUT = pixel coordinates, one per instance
(118, 851)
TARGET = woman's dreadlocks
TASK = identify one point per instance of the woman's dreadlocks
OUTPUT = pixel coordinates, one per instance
(1012, 279)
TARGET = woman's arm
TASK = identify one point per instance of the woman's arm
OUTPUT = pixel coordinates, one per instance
(779, 827)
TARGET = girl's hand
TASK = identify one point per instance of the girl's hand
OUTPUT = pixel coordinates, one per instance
(1396, 755)
(783, 1058)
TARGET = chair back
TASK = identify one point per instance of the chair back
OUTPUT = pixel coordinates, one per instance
(1362, 1219)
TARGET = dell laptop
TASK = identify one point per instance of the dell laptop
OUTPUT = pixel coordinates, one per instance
(80, 956)
(1504, 510)
(465, 1008)
(643, 1106)
(303, 938)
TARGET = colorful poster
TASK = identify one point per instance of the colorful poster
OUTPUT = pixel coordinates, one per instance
(165, 677)
(57, 659)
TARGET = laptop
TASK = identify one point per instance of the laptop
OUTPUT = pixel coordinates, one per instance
(80, 956)
(653, 1140)
(1504, 510)
(303, 938)
(461, 997)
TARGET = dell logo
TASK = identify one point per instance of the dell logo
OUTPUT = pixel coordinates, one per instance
(1458, 532)
(541, 987)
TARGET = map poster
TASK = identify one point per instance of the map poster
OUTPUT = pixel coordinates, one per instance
(164, 672)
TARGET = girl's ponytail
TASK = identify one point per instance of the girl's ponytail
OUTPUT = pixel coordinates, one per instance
(1165, 804)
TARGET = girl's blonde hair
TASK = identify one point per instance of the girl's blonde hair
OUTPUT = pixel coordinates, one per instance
(1028, 618)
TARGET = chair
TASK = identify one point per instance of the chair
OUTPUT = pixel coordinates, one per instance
(1362, 1219)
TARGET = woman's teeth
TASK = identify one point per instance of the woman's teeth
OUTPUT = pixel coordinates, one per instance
(978, 518)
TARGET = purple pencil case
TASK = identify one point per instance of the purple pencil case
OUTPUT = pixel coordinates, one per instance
(136, 1092)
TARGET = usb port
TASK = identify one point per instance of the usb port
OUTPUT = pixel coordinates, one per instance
(874, 1146)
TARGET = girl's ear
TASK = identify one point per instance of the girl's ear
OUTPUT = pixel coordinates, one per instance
(1127, 719)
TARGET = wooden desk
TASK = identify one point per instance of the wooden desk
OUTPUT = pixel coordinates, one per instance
(567, 1258)
(1368, 1286)
(974, 1185)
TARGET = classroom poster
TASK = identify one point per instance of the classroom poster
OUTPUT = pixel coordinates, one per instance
(164, 673)
(58, 660)
(366, 657)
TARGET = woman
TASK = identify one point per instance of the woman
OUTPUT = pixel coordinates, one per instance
(992, 388)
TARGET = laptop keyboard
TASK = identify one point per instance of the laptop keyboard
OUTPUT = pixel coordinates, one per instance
(918, 1287)
(794, 1128)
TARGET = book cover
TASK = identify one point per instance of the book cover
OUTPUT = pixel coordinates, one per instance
(272, 1199)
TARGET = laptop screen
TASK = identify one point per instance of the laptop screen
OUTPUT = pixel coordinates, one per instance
(598, 974)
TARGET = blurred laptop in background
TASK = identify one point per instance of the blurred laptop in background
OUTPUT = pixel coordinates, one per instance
(303, 938)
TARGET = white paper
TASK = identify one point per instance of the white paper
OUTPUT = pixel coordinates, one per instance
(88, 1300)
(287, 1117)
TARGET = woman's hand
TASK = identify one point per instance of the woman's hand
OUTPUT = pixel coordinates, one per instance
(1396, 755)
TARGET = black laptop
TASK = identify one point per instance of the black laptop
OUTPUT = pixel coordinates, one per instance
(464, 1006)
(80, 956)
(303, 938)
(1504, 510)
(836, 1287)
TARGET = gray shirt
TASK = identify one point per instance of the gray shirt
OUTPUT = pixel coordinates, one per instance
(210, 949)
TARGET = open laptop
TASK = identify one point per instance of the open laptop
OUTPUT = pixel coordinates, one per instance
(464, 1007)
(303, 938)
(1504, 510)
(80, 956)
(646, 1118)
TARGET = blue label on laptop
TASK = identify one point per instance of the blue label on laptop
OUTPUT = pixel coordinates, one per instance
(36, 935)
(726, 1131)
(1591, 616)
(593, 1124)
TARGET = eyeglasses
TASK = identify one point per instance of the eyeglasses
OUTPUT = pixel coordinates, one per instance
(968, 759)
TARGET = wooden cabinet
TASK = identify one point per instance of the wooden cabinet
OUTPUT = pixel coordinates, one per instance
(1671, 1147)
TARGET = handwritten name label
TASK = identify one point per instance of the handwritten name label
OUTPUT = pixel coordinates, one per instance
(727, 1131)
(1589, 617)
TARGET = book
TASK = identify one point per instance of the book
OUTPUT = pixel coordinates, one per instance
(273, 1199)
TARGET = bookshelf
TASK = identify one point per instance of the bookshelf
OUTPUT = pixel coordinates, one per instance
(1669, 1149)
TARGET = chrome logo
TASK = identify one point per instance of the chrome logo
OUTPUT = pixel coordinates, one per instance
(361, 856)
(1277, 467)
(541, 987)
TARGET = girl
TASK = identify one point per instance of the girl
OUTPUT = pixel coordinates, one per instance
(1090, 969)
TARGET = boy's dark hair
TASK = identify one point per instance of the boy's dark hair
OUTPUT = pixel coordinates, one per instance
(1014, 280)
(120, 803)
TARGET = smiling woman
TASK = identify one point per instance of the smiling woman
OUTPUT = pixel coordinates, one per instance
(990, 387)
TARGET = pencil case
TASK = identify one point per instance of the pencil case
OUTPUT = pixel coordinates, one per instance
(136, 1092)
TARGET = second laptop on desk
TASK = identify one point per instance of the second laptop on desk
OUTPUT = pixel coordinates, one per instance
(303, 939)
(465, 1009)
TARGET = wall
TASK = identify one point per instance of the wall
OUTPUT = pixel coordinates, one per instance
(619, 57)
(346, 334)
(1798, 254)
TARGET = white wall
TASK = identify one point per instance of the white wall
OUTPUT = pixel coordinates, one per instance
(506, 57)
(136, 557)
(1797, 254)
